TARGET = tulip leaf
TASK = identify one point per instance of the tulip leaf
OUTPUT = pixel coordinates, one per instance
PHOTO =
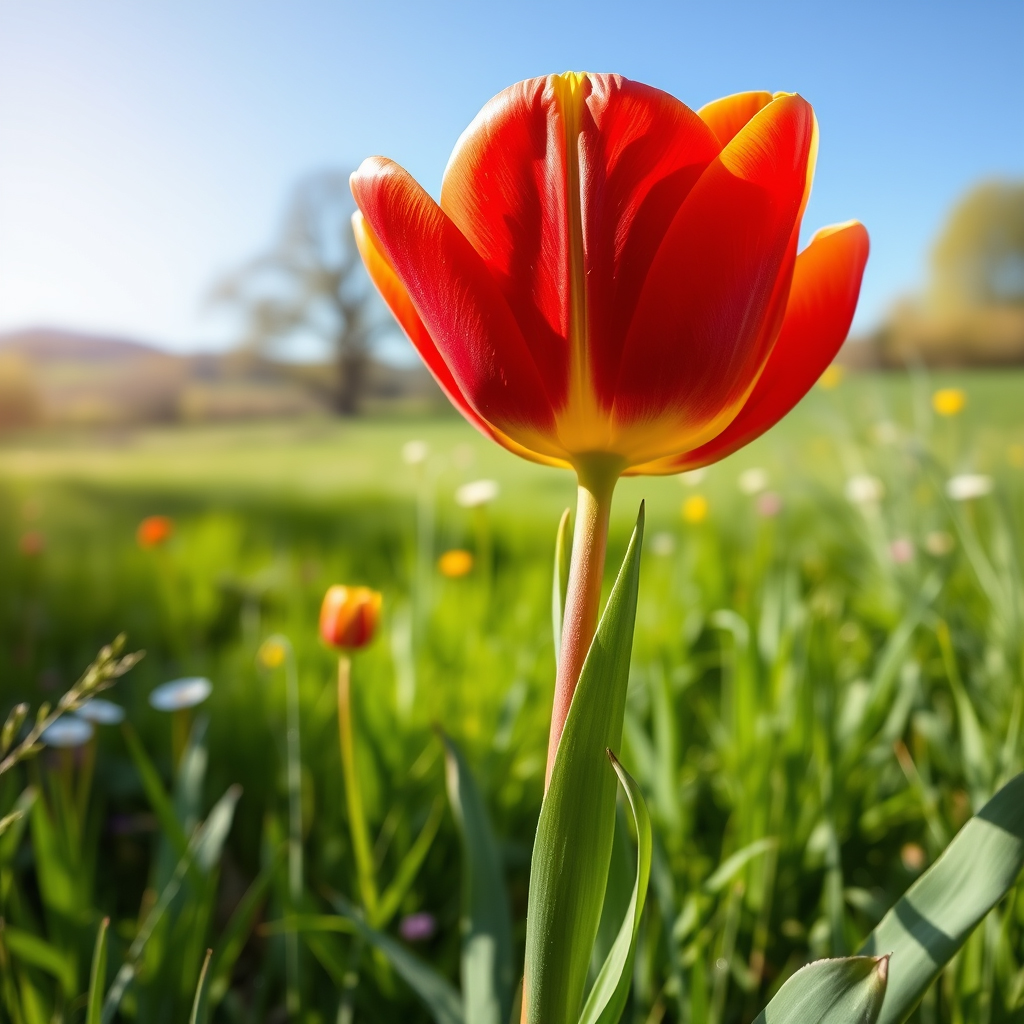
(97, 975)
(573, 846)
(436, 992)
(560, 583)
(486, 922)
(935, 916)
(849, 990)
(607, 998)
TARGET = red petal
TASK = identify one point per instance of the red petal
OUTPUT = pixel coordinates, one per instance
(822, 300)
(641, 152)
(393, 292)
(512, 186)
(725, 117)
(505, 189)
(698, 339)
(455, 297)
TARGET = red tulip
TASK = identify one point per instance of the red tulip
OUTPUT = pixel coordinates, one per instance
(349, 616)
(611, 282)
(609, 272)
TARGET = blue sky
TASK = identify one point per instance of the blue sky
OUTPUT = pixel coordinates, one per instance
(146, 148)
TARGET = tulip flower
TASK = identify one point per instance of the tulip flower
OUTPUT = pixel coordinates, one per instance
(349, 616)
(154, 531)
(611, 283)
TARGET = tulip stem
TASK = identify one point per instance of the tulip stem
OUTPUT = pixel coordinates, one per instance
(597, 478)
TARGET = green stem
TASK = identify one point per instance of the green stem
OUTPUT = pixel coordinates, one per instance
(597, 477)
(294, 825)
(353, 794)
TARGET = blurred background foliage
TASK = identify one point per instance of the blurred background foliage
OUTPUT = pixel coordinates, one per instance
(827, 680)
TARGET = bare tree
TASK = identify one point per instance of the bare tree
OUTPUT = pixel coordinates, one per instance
(312, 282)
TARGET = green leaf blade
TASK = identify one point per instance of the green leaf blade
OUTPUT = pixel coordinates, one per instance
(937, 914)
(607, 998)
(849, 990)
(97, 975)
(486, 922)
(434, 990)
(573, 846)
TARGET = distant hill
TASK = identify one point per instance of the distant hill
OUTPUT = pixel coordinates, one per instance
(65, 377)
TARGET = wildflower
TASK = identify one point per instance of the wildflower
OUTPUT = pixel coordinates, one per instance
(663, 544)
(414, 453)
(180, 694)
(949, 401)
(417, 927)
(938, 543)
(967, 486)
(477, 493)
(272, 653)
(695, 509)
(864, 489)
(101, 712)
(154, 531)
(913, 857)
(455, 563)
(831, 377)
(901, 550)
(753, 481)
(68, 731)
(349, 616)
(768, 504)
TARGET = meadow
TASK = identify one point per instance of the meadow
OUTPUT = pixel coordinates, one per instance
(827, 678)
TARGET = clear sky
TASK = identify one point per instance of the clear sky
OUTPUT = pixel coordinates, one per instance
(147, 147)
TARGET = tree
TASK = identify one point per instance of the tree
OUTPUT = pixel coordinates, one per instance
(312, 282)
(978, 260)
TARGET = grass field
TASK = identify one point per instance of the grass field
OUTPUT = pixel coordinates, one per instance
(821, 692)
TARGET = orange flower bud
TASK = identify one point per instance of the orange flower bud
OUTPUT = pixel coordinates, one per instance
(349, 616)
(154, 530)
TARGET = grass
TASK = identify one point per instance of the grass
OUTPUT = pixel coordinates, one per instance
(818, 698)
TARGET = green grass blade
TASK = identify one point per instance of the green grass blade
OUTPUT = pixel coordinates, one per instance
(845, 991)
(199, 1004)
(232, 939)
(409, 868)
(935, 916)
(436, 992)
(573, 846)
(607, 998)
(733, 865)
(17, 822)
(157, 796)
(97, 975)
(208, 843)
(33, 951)
(486, 924)
(560, 582)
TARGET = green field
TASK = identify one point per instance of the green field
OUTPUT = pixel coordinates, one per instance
(828, 691)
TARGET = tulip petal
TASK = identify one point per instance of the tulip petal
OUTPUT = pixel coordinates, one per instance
(457, 300)
(566, 186)
(698, 339)
(725, 117)
(822, 300)
(505, 189)
(397, 299)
